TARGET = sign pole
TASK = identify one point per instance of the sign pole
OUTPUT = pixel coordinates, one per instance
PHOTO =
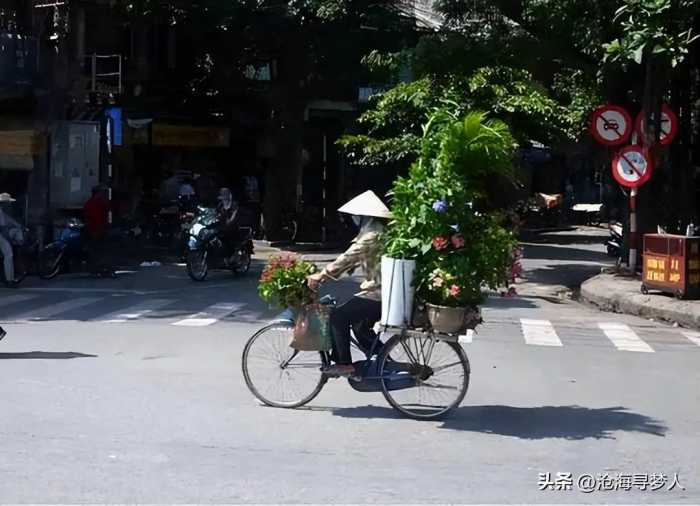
(633, 230)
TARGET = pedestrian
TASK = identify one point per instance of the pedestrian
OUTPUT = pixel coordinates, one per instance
(10, 233)
(169, 188)
(205, 187)
(96, 215)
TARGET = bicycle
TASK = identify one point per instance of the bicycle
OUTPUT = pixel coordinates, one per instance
(402, 369)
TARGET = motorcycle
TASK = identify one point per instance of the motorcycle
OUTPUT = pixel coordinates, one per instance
(206, 248)
(615, 240)
(69, 249)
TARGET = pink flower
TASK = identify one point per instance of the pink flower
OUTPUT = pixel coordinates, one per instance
(440, 242)
(458, 241)
(455, 290)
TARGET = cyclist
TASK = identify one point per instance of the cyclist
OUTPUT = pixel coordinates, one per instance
(369, 214)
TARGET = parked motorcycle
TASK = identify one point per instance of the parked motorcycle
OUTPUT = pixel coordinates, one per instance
(206, 248)
(615, 240)
(69, 249)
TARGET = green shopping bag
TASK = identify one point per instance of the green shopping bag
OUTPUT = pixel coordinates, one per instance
(312, 330)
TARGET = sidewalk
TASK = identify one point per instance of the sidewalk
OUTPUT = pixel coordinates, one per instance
(622, 294)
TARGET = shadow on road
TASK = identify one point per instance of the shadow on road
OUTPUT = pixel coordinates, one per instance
(44, 355)
(543, 422)
(593, 237)
(570, 275)
(545, 252)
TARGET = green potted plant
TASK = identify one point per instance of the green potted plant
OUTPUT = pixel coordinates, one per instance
(283, 282)
(457, 249)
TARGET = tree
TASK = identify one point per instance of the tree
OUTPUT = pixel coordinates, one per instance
(316, 47)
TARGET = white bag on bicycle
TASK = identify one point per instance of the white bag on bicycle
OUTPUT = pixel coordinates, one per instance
(397, 291)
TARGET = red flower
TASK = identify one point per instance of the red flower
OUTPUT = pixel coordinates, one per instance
(455, 290)
(458, 241)
(440, 242)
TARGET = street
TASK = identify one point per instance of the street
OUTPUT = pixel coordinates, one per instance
(130, 390)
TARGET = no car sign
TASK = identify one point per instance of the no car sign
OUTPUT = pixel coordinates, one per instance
(611, 125)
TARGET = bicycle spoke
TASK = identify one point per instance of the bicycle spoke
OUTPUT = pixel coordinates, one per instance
(278, 374)
(440, 382)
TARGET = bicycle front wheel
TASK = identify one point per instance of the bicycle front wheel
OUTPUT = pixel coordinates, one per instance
(278, 375)
(422, 377)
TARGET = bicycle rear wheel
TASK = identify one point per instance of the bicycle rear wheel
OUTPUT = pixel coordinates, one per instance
(278, 375)
(422, 377)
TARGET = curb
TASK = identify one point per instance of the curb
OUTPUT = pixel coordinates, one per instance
(619, 295)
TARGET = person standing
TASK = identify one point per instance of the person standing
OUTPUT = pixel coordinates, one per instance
(10, 232)
(96, 215)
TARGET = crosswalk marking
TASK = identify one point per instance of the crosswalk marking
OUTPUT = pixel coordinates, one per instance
(144, 308)
(539, 332)
(14, 299)
(624, 338)
(209, 316)
(694, 337)
(52, 310)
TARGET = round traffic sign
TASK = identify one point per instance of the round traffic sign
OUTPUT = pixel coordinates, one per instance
(611, 125)
(669, 125)
(632, 167)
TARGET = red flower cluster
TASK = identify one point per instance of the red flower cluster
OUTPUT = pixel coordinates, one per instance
(276, 263)
(442, 242)
(458, 241)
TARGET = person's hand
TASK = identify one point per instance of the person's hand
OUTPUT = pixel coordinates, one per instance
(314, 280)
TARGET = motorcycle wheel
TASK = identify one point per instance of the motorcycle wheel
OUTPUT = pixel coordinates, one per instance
(244, 265)
(197, 267)
(50, 261)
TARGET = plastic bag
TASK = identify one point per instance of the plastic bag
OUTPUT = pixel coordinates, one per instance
(312, 330)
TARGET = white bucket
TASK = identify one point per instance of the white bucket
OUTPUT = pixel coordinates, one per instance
(397, 291)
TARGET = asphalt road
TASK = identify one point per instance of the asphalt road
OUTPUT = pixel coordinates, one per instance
(130, 390)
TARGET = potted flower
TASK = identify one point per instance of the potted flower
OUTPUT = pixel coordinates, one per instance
(283, 282)
(457, 249)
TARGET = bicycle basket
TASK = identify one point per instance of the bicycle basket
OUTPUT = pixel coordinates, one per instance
(312, 330)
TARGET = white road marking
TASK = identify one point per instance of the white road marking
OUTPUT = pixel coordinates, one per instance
(52, 310)
(624, 338)
(468, 338)
(539, 333)
(693, 337)
(13, 299)
(136, 311)
(210, 315)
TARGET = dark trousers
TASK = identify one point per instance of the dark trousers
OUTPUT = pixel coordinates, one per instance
(356, 313)
(99, 255)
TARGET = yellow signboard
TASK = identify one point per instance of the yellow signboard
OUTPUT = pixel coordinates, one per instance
(655, 268)
(190, 136)
(20, 143)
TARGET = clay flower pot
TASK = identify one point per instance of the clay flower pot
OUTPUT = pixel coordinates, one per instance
(446, 319)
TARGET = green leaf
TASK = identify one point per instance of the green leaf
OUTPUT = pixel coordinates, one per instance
(638, 54)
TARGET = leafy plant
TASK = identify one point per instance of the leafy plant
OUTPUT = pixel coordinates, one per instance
(662, 28)
(283, 282)
(435, 209)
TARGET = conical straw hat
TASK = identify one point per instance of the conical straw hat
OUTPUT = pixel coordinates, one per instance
(367, 204)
